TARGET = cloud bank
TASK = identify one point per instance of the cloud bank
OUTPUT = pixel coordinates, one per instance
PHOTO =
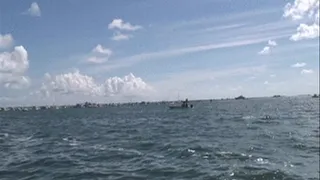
(75, 83)
(13, 66)
(305, 10)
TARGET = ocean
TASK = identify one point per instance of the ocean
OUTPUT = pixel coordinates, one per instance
(222, 139)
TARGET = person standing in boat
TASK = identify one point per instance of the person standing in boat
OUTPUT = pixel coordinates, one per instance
(185, 103)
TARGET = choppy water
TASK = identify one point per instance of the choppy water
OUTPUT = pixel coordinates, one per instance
(215, 140)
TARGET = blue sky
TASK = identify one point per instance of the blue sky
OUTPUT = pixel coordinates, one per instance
(152, 50)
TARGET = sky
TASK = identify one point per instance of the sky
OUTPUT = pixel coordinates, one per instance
(72, 51)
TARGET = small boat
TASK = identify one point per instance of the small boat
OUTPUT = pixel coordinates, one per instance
(180, 107)
(239, 97)
(184, 105)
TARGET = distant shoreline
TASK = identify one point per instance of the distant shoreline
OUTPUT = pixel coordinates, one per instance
(100, 105)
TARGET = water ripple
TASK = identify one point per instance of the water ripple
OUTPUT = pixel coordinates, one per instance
(216, 140)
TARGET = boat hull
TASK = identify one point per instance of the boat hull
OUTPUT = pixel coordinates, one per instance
(179, 107)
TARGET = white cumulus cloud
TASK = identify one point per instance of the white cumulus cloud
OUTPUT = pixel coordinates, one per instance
(6, 41)
(14, 62)
(34, 10)
(43, 92)
(72, 83)
(272, 43)
(121, 25)
(118, 36)
(101, 50)
(13, 65)
(266, 50)
(305, 31)
(15, 82)
(80, 84)
(298, 65)
(129, 85)
(100, 55)
(304, 10)
(306, 71)
(301, 8)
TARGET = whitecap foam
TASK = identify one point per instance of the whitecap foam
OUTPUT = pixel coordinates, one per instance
(130, 151)
(191, 151)
(23, 139)
(262, 161)
(246, 155)
(248, 117)
(71, 141)
(99, 147)
(225, 153)
(287, 164)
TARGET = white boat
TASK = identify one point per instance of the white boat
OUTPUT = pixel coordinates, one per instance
(184, 105)
(180, 107)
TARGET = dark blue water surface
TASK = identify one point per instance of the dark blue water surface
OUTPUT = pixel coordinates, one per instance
(214, 140)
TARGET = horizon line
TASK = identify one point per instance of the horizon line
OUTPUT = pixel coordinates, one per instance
(159, 101)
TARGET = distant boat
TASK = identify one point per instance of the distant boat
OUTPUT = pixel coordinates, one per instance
(315, 96)
(239, 97)
(180, 107)
(276, 96)
(184, 105)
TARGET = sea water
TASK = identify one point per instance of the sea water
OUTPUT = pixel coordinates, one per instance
(223, 139)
